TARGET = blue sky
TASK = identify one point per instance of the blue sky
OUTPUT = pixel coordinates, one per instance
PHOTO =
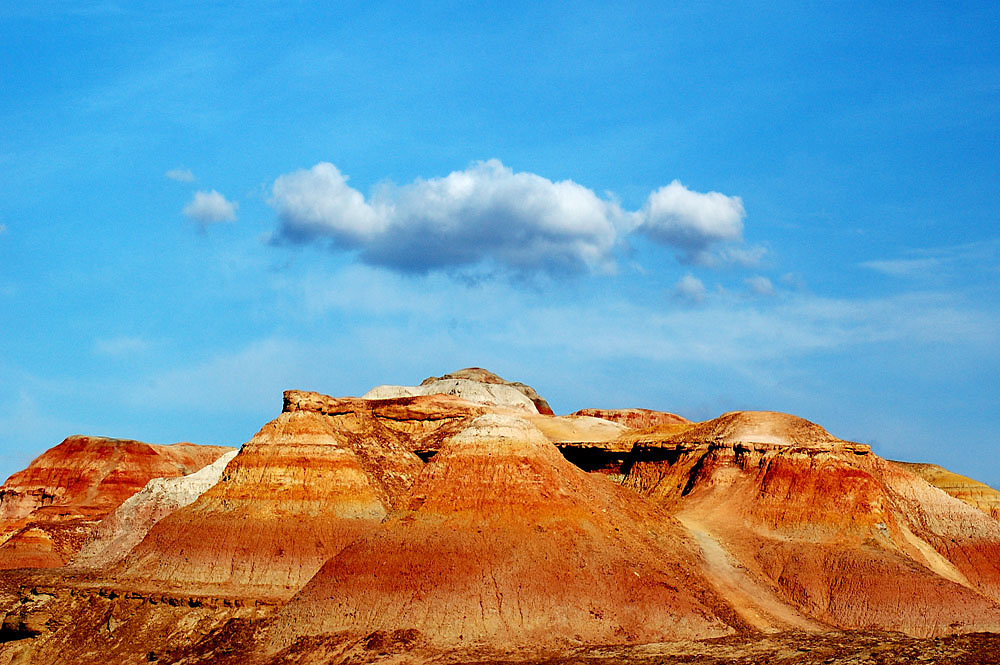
(785, 206)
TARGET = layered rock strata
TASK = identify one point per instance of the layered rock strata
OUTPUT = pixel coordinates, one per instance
(473, 385)
(503, 542)
(635, 418)
(302, 488)
(485, 376)
(976, 494)
(785, 511)
(115, 535)
(48, 510)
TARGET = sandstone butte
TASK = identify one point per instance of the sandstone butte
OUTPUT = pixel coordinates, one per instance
(470, 524)
(47, 509)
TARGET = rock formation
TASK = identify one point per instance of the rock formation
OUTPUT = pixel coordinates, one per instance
(48, 509)
(485, 376)
(976, 494)
(635, 418)
(306, 485)
(115, 536)
(456, 521)
(503, 542)
(474, 385)
(787, 514)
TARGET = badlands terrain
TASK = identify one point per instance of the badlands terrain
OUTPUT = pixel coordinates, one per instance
(460, 520)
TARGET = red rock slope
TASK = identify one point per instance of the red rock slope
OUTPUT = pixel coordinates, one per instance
(787, 513)
(504, 543)
(308, 483)
(46, 509)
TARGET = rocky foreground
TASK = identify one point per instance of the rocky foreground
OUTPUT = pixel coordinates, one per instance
(459, 520)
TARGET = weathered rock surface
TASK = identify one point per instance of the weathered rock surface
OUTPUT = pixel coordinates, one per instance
(785, 513)
(474, 385)
(448, 528)
(115, 535)
(305, 486)
(976, 494)
(485, 376)
(48, 509)
(502, 542)
(635, 418)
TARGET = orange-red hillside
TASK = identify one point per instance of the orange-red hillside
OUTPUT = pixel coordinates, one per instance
(46, 509)
(306, 485)
(501, 543)
(777, 503)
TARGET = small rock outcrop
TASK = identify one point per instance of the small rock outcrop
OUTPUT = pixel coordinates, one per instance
(473, 385)
(635, 418)
(485, 376)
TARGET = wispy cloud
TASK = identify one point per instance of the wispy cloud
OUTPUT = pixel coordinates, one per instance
(490, 214)
(759, 285)
(690, 289)
(180, 175)
(210, 208)
(938, 262)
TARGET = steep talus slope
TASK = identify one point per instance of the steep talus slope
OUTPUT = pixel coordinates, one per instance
(834, 530)
(505, 543)
(115, 535)
(48, 509)
(306, 485)
(976, 494)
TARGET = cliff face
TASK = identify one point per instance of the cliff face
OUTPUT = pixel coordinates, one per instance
(503, 542)
(48, 509)
(824, 525)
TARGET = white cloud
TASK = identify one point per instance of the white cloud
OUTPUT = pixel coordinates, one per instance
(210, 208)
(759, 285)
(490, 214)
(180, 175)
(689, 288)
(3, 228)
(674, 215)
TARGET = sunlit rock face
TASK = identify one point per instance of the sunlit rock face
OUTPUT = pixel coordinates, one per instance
(48, 509)
(840, 534)
(305, 486)
(502, 541)
(473, 527)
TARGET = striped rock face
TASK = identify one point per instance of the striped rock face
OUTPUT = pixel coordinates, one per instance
(47, 510)
(503, 542)
(304, 487)
(789, 516)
